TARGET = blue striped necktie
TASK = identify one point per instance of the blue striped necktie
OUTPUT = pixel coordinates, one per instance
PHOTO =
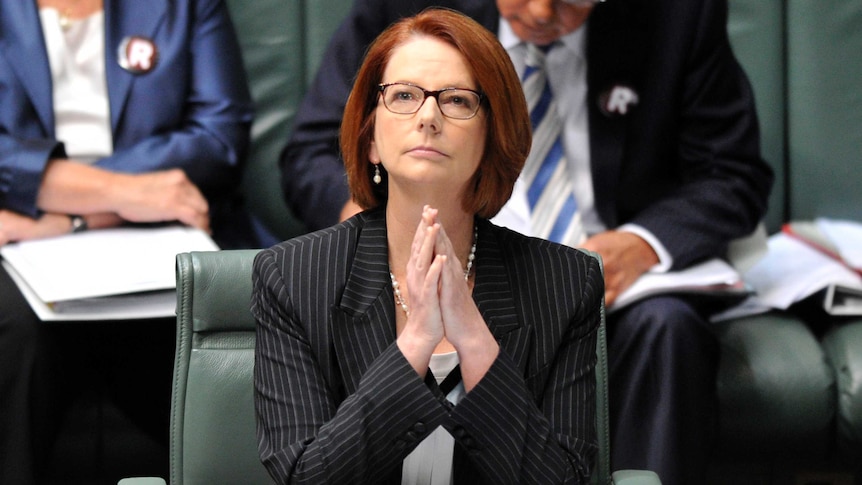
(550, 192)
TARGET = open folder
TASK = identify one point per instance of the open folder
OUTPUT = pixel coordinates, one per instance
(808, 259)
(107, 274)
(714, 280)
(841, 244)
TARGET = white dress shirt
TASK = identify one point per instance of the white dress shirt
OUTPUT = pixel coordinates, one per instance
(430, 463)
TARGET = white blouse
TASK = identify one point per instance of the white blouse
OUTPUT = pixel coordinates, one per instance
(82, 116)
(430, 463)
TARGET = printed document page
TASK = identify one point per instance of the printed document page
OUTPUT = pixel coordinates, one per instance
(134, 262)
(713, 278)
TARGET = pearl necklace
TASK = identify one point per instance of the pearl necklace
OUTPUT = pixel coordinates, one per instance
(399, 298)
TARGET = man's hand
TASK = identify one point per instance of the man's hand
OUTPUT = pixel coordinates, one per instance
(625, 256)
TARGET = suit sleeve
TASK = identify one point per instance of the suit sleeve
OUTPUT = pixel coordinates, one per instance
(306, 434)
(539, 429)
(22, 163)
(721, 183)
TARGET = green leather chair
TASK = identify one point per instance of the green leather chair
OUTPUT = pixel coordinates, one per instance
(824, 119)
(282, 42)
(776, 390)
(212, 413)
(787, 400)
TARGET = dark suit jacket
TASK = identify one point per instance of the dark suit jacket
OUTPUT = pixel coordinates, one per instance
(192, 111)
(684, 163)
(337, 402)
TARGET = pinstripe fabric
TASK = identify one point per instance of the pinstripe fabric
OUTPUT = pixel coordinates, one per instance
(337, 402)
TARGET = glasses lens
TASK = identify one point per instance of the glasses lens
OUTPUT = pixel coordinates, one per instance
(403, 98)
(458, 103)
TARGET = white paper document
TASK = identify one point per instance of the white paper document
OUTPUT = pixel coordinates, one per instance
(115, 273)
(713, 278)
(846, 238)
(793, 271)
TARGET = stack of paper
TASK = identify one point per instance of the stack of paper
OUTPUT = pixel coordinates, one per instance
(108, 274)
(807, 258)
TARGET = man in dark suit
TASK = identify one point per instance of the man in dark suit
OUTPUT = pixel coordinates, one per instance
(662, 139)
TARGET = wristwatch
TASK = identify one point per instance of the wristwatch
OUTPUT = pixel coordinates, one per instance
(79, 224)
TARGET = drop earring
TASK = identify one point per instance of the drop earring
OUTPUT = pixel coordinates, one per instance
(377, 178)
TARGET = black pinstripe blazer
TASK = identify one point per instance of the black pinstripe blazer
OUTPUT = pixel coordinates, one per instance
(337, 402)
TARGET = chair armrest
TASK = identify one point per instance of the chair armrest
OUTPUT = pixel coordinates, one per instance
(142, 481)
(635, 477)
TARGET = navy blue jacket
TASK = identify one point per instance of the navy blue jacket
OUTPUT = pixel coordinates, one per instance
(192, 111)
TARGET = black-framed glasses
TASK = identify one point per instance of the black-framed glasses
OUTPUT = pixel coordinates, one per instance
(406, 99)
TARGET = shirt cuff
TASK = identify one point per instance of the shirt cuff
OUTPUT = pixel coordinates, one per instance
(665, 261)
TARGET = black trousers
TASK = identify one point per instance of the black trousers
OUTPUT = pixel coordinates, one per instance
(26, 422)
(663, 362)
(46, 366)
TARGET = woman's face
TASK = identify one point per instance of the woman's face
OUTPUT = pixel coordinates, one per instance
(427, 150)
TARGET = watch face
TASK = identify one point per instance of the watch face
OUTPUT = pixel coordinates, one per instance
(79, 224)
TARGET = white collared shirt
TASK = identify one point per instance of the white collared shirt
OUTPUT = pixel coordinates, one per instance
(430, 463)
(82, 119)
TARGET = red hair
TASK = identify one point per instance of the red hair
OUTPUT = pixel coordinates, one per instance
(509, 135)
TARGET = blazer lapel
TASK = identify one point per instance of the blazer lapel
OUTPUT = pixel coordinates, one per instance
(123, 19)
(494, 296)
(22, 43)
(611, 61)
(362, 325)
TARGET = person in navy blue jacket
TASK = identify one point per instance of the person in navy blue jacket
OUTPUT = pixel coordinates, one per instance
(662, 144)
(111, 112)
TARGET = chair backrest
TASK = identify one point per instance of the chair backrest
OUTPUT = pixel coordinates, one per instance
(602, 466)
(756, 31)
(824, 111)
(212, 436)
(282, 43)
(212, 415)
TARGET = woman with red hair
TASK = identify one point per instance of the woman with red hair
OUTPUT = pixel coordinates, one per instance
(417, 342)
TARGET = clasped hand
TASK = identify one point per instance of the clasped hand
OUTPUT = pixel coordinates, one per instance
(442, 309)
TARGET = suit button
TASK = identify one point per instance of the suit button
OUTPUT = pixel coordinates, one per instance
(400, 444)
(411, 436)
(419, 427)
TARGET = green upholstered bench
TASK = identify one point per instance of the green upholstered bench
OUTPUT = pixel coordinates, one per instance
(790, 401)
(824, 140)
